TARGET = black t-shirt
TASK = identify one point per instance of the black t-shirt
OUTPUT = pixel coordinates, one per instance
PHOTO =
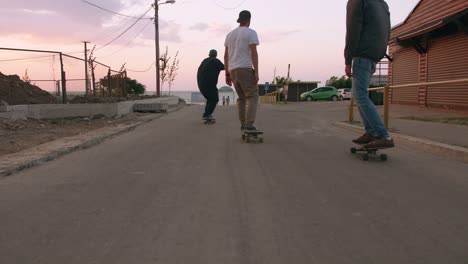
(209, 70)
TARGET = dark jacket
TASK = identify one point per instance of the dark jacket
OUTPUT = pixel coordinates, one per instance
(208, 72)
(367, 29)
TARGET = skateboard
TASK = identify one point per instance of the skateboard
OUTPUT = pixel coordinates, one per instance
(209, 121)
(369, 152)
(252, 136)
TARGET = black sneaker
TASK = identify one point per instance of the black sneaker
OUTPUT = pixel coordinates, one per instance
(250, 128)
(380, 143)
(209, 117)
(364, 139)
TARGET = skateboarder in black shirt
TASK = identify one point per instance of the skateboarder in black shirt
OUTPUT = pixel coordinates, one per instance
(207, 78)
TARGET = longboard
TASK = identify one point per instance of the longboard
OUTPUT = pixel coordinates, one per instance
(252, 136)
(369, 152)
(209, 121)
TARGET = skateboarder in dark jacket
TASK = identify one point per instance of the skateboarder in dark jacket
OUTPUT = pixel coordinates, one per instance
(367, 36)
(207, 78)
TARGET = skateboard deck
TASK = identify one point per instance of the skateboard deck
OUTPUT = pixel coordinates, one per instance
(252, 136)
(367, 153)
(209, 121)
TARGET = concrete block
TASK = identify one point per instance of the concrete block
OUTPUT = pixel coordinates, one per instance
(124, 108)
(151, 107)
(84, 110)
(71, 110)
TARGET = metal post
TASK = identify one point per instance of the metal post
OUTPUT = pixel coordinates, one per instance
(386, 105)
(93, 77)
(64, 85)
(86, 67)
(125, 84)
(109, 82)
(156, 37)
(57, 87)
(351, 110)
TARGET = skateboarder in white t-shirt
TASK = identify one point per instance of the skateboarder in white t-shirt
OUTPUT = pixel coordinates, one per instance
(241, 63)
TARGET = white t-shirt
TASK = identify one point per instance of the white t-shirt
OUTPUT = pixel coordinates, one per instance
(238, 42)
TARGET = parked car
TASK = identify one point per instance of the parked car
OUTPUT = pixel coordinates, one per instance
(345, 93)
(321, 93)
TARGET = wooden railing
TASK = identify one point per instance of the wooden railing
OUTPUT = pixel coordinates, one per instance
(269, 98)
(386, 90)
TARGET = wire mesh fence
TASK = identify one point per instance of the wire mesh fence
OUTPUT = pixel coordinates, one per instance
(63, 75)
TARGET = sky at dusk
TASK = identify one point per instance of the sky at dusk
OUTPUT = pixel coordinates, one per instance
(308, 34)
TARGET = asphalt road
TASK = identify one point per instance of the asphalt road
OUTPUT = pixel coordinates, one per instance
(177, 191)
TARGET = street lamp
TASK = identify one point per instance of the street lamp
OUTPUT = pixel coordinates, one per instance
(156, 25)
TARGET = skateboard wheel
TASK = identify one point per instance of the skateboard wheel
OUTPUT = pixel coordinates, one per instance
(353, 150)
(383, 157)
(260, 140)
(243, 137)
(365, 157)
(247, 140)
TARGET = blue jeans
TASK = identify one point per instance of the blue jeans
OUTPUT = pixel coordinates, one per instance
(363, 69)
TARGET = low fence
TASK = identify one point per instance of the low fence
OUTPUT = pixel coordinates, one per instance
(386, 89)
(269, 98)
(99, 79)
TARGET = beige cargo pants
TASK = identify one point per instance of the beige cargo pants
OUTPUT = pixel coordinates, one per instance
(243, 80)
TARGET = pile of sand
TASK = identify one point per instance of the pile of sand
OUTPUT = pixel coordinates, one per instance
(15, 91)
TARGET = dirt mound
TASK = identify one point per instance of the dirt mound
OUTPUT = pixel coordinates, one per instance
(15, 91)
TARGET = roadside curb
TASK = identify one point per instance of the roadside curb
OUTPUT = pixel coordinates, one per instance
(28, 158)
(449, 151)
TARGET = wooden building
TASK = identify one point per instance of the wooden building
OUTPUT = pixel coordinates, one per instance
(431, 45)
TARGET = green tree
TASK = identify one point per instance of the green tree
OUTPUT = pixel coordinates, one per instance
(331, 81)
(343, 82)
(281, 81)
(134, 87)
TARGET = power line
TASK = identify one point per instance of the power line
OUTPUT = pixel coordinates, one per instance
(128, 43)
(26, 58)
(110, 11)
(125, 31)
(35, 58)
(149, 68)
(116, 26)
(230, 8)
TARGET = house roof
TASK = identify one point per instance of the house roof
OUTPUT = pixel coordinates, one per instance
(409, 15)
(431, 26)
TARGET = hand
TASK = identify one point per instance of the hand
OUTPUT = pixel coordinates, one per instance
(228, 80)
(349, 71)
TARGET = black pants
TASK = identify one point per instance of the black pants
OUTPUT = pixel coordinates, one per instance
(210, 92)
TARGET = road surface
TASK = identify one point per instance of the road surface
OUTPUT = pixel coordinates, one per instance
(177, 191)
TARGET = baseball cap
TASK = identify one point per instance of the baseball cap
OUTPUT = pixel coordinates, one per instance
(244, 16)
(213, 53)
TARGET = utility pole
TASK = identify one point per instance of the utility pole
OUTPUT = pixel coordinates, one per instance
(156, 37)
(86, 67)
(64, 80)
(93, 67)
(289, 68)
(274, 76)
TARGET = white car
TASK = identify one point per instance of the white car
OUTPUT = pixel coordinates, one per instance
(345, 93)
